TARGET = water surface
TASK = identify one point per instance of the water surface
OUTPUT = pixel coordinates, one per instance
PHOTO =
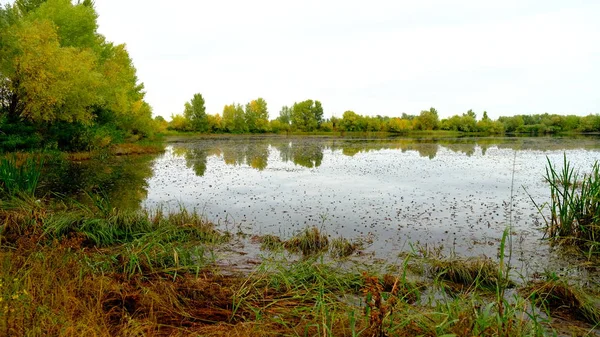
(398, 193)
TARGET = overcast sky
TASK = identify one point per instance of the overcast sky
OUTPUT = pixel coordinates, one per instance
(373, 57)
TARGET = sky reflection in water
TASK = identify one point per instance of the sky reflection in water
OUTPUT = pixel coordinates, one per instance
(453, 192)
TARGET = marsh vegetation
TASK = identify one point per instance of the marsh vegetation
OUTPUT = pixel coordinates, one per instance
(86, 264)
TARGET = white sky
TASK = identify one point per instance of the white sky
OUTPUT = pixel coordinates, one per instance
(373, 57)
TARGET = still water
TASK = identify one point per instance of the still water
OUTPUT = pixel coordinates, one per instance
(459, 193)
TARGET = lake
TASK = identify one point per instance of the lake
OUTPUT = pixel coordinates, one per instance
(397, 194)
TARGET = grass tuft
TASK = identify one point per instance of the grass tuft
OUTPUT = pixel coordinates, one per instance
(473, 272)
(559, 298)
(342, 247)
(310, 241)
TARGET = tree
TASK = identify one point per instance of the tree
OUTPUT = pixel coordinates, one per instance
(318, 112)
(44, 82)
(485, 116)
(471, 114)
(179, 123)
(511, 124)
(227, 121)
(399, 125)
(427, 120)
(350, 121)
(195, 112)
(239, 119)
(161, 123)
(215, 123)
(285, 115)
(63, 80)
(257, 116)
(307, 115)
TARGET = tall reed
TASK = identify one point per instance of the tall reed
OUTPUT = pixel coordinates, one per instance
(19, 176)
(574, 204)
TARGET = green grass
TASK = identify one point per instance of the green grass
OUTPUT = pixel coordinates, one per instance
(70, 269)
(574, 205)
(19, 175)
(309, 242)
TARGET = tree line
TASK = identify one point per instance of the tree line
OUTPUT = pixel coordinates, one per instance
(307, 116)
(62, 84)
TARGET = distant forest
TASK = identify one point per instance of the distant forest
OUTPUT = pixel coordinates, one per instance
(307, 116)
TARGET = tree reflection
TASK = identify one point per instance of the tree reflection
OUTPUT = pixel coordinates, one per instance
(123, 180)
(285, 150)
(307, 154)
(461, 146)
(257, 155)
(254, 153)
(196, 159)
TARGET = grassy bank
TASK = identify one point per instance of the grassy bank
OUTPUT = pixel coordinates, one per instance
(70, 270)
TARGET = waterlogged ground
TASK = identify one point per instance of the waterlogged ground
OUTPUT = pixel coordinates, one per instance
(396, 194)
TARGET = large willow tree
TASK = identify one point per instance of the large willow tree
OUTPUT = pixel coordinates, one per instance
(63, 81)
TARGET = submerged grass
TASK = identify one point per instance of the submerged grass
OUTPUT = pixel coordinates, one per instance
(471, 272)
(562, 299)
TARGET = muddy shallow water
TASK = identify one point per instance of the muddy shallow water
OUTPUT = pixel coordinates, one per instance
(397, 193)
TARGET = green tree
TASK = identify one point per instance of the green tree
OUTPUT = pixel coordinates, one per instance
(228, 118)
(285, 115)
(307, 115)
(257, 116)
(63, 81)
(318, 113)
(512, 124)
(195, 112)
(234, 119)
(427, 120)
(350, 121)
(239, 119)
(471, 114)
(179, 123)
(485, 116)
(44, 82)
(215, 123)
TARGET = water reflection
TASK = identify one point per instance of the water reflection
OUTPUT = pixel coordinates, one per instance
(122, 179)
(455, 192)
(310, 152)
(307, 154)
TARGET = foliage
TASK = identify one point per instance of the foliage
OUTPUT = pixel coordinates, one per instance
(257, 116)
(307, 115)
(234, 119)
(195, 112)
(427, 120)
(179, 123)
(56, 69)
